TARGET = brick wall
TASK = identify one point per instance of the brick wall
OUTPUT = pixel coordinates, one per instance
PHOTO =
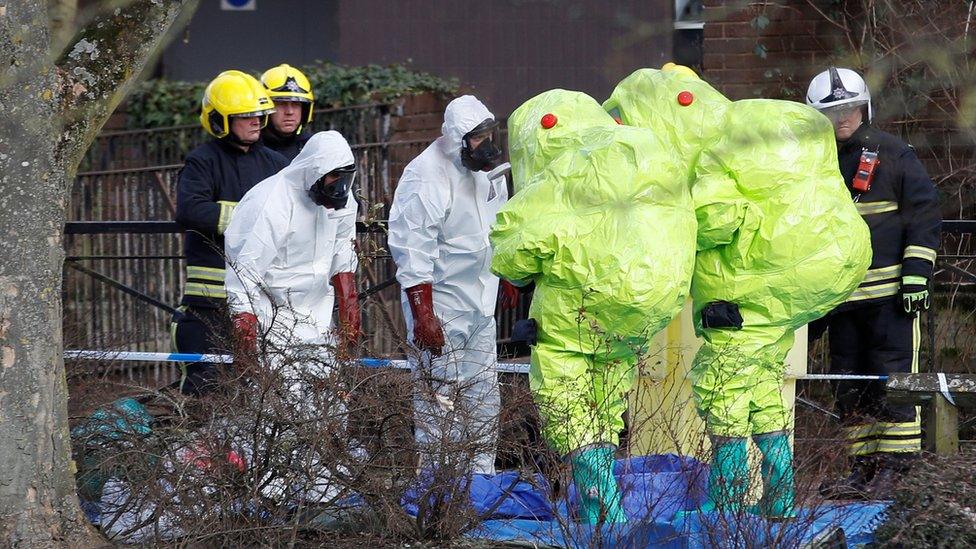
(418, 122)
(772, 50)
(509, 51)
(765, 50)
(419, 117)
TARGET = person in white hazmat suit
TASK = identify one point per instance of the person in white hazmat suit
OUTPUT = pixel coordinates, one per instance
(290, 253)
(442, 210)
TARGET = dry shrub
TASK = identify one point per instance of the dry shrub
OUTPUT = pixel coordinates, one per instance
(935, 505)
(233, 468)
(293, 440)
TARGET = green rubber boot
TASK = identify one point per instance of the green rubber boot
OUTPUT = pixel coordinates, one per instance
(728, 482)
(778, 499)
(597, 488)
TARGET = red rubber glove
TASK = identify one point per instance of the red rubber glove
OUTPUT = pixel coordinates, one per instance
(427, 333)
(201, 457)
(349, 320)
(246, 332)
(508, 295)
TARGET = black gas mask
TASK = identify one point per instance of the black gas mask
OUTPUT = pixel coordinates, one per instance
(486, 154)
(332, 189)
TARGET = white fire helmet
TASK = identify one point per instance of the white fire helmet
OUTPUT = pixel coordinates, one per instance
(836, 87)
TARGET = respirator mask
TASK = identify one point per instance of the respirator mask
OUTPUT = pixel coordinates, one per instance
(479, 147)
(332, 189)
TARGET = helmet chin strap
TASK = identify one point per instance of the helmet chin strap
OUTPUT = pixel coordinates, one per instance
(232, 138)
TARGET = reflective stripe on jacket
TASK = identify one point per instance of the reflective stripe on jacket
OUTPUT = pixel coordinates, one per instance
(901, 209)
(215, 177)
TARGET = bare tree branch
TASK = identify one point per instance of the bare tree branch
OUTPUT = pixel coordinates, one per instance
(99, 67)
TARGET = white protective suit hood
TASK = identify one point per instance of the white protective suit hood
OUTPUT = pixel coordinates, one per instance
(460, 117)
(324, 152)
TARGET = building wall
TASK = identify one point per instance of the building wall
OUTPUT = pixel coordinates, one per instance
(510, 50)
(505, 50)
(777, 61)
(278, 31)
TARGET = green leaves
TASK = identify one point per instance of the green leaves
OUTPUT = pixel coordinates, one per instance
(338, 85)
(159, 103)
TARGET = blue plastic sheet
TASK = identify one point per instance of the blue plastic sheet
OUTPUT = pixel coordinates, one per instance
(523, 509)
(654, 488)
(858, 521)
(507, 495)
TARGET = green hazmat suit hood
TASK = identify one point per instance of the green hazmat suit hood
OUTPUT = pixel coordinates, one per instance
(601, 218)
(532, 146)
(679, 106)
(778, 233)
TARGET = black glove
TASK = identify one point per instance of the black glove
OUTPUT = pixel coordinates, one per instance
(915, 294)
(526, 331)
(721, 314)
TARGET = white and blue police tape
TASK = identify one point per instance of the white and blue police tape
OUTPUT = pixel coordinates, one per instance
(510, 367)
(138, 356)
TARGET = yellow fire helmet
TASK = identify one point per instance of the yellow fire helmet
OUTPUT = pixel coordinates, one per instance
(286, 83)
(233, 93)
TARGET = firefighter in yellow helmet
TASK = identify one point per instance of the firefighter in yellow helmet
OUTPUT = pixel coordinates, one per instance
(214, 178)
(291, 92)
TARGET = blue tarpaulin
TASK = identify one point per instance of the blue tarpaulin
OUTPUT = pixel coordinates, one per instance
(654, 489)
(857, 521)
(507, 495)
(524, 510)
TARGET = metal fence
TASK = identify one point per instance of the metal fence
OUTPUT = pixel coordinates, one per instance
(95, 314)
(132, 175)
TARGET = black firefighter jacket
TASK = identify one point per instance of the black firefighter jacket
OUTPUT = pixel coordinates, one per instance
(901, 209)
(288, 145)
(213, 180)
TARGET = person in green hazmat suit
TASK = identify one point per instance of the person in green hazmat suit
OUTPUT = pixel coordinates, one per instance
(602, 222)
(779, 245)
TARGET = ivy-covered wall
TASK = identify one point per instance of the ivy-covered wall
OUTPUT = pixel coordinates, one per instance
(160, 103)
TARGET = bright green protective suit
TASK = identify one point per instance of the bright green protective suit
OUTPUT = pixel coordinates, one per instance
(602, 221)
(778, 234)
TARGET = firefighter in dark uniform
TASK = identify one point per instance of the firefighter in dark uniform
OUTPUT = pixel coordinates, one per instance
(876, 332)
(290, 125)
(214, 178)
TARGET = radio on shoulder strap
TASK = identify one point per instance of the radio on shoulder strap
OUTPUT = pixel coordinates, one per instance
(865, 171)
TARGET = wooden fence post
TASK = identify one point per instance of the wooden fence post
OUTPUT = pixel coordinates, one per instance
(942, 425)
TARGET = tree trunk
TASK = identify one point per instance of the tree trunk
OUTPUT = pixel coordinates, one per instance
(38, 504)
(51, 110)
